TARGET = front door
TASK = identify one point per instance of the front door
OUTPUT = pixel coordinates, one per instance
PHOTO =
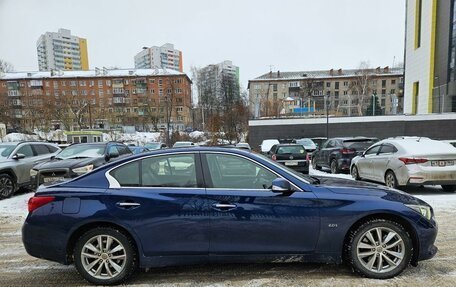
(163, 200)
(365, 165)
(247, 217)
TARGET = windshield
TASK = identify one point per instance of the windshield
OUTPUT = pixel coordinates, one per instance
(295, 149)
(77, 151)
(6, 150)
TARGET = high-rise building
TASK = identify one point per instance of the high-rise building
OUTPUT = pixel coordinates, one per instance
(430, 57)
(163, 57)
(62, 51)
(214, 80)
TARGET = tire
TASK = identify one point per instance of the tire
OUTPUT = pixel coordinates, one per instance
(449, 188)
(103, 267)
(314, 164)
(7, 185)
(355, 173)
(333, 166)
(391, 180)
(379, 260)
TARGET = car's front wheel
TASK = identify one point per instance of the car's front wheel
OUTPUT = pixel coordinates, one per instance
(7, 186)
(315, 165)
(449, 188)
(105, 256)
(379, 249)
(334, 167)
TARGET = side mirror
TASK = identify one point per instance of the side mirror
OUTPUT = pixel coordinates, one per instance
(113, 154)
(52, 157)
(363, 154)
(281, 185)
(18, 156)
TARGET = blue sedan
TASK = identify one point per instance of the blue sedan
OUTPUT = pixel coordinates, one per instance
(203, 205)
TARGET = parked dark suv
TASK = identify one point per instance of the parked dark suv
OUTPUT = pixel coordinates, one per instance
(337, 153)
(16, 161)
(76, 160)
(293, 156)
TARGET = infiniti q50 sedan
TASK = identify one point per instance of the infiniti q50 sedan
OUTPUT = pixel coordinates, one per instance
(203, 205)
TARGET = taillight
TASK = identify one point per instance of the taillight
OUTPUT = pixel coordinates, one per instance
(347, 151)
(408, 160)
(38, 201)
(307, 157)
(274, 158)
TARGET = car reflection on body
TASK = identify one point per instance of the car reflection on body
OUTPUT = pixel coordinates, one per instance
(404, 161)
(201, 205)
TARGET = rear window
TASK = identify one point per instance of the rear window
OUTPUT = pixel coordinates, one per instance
(297, 149)
(358, 144)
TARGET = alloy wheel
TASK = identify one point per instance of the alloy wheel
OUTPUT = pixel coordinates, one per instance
(6, 187)
(103, 257)
(380, 250)
(354, 172)
(333, 167)
(390, 180)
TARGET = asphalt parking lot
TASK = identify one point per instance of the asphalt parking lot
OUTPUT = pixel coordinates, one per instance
(19, 269)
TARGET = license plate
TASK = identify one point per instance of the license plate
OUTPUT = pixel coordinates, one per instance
(442, 163)
(291, 163)
(52, 179)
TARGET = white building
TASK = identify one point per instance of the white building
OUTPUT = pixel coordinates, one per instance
(163, 57)
(62, 51)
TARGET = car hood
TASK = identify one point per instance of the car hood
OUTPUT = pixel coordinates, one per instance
(7, 162)
(352, 187)
(68, 163)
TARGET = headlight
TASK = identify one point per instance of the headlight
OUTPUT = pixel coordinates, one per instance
(33, 172)
(424, 210)
(84, 169)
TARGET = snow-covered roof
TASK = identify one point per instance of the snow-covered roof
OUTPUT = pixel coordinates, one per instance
(325, 74)
(89, 74)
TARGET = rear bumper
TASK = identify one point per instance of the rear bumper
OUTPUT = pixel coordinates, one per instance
(344, 164)
(42, 243)
(415, 175)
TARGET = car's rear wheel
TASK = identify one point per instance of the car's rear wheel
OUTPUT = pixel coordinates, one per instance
(105, 256)
(355, 173)
(7, 185)
(315, 165)
(391, 180)
(334, 167)
(449, 188)
(379, 249)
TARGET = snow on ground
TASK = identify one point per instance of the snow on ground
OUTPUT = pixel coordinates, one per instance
(16, 137)
(138, 138)
(16, 205)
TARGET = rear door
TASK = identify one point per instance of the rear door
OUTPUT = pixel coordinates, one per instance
(248, 218)
(162, 198)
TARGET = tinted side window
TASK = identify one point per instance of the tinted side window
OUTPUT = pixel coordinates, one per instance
(41, 149)
(388, 149)
(123, 150)
(113, 149)
(169, 171)
(128, 174)
(373, 150)
(235, 172)
(51, 148)
(26, 150)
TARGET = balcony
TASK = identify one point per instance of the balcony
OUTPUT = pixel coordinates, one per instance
(118, 91)
(14, 93)
(119, 100)
(36, 83)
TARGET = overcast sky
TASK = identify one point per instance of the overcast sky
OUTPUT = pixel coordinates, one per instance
(290, 35)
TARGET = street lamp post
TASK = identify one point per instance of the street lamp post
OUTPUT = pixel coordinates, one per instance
(327, 116)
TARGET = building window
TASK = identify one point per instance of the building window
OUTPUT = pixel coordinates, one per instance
(345, 84)
(383, 83)
(337, 86)
(393, 82)
(328, 84)
(345, 93)
(108, 83)
(416, 92)
(82, 83)
(393, 91)
(100, 83)
(383, 92)
(274, 87)
(73, 83)
(418, 15)
(452, 60)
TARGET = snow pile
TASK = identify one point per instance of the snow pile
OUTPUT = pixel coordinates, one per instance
(55, 136)
(196, 134)
(16, 137)
(138, 138)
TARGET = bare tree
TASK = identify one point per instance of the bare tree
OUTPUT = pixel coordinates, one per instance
(360, 85)
(5, 66)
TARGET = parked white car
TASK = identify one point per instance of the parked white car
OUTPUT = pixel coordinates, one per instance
(266, 145)
(403, 161)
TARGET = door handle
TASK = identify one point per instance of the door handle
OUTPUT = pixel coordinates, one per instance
(224, 206)
(128, 205)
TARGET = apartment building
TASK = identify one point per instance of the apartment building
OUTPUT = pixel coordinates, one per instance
(341, 92)
(163, 57)
(62, 51)
(148, 99)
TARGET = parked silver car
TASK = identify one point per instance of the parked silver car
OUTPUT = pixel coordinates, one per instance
(406, 161)
(16, 161)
